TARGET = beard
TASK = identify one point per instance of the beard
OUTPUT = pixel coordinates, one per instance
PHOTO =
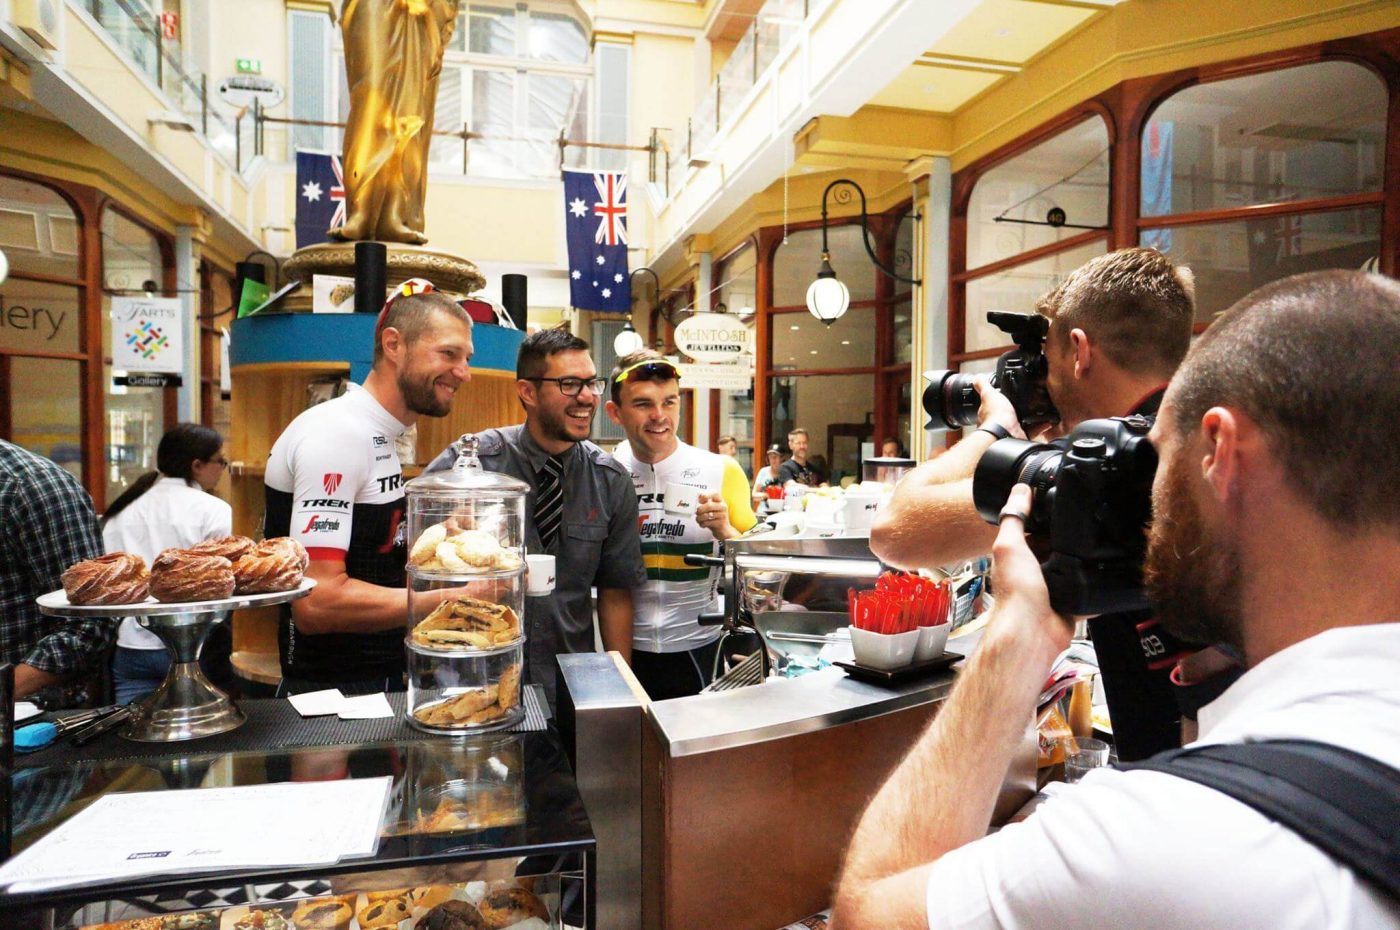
(420, 396)
(559, 426)
(1191, 575)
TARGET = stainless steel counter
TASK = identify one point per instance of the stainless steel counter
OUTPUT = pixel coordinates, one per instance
(783, 707)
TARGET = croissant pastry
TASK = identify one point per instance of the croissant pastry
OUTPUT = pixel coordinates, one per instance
(116, 578)
(232, 548)
(182, 575)
(273, 565)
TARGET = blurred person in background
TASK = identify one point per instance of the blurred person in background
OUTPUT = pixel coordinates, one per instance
(172, 507)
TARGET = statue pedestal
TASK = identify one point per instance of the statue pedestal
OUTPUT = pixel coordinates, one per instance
(450, 273)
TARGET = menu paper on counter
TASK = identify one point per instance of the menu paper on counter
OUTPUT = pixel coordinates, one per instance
(133, 835)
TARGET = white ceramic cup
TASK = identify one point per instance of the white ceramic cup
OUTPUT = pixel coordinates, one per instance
(681, 499)
(858, 510)
(539, 575)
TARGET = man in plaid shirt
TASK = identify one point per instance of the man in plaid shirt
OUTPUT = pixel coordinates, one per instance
(46, 525)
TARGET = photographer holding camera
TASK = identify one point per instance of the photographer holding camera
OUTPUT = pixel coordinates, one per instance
(1276, 530)
(1113, 333)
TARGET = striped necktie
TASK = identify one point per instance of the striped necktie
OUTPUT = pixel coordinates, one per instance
(549, 502)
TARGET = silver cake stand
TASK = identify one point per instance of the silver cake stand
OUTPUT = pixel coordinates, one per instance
(186, 705)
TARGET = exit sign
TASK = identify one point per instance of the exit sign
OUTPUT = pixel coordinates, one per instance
(249, 65)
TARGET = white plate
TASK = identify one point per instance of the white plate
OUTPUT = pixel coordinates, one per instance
(55, 604)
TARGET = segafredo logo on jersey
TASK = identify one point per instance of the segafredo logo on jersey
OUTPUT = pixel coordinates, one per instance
(330, 481)
(661, 529)
(320, 524)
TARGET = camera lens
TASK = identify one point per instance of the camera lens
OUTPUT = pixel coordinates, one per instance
(1009, 462)
(950, 400)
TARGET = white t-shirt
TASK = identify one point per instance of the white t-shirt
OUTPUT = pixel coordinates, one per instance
(172, 514)
(1148, 850)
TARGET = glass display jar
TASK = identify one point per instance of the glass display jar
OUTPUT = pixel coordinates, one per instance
(466, 597)
(464, 786)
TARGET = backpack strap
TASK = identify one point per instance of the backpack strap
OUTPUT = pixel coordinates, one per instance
(1344, 803)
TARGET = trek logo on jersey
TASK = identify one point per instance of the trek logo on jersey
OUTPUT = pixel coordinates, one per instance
(326, 503)
(390, 483)
(330, 481)
(320, 524)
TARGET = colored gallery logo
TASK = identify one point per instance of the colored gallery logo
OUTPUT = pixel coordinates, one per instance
(147, 340)
(330, 482)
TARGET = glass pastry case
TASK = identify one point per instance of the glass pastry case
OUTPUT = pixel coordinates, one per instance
(487, 829)
(465, 643)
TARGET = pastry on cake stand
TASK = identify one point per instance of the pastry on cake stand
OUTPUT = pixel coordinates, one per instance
(186, 705)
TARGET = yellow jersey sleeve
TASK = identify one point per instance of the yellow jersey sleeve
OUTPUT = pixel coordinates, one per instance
(735, 491)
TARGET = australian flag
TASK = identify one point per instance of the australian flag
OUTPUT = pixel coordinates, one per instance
(320, 197)
(595, 221)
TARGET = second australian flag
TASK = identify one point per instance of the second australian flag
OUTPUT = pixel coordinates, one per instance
(320, 197)
(595, 221)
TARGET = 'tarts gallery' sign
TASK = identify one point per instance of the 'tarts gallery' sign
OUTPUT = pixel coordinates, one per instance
(148, 335)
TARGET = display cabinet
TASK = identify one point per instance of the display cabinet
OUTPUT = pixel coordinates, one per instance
(493, 821)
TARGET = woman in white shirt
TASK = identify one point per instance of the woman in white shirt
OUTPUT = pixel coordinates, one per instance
(167, 508)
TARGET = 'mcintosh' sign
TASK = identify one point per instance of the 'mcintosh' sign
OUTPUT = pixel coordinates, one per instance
(713, 337)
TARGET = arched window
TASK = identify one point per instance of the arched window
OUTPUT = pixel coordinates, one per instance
(1254, 178)
(1018, 246)
(132, 262)
(41, 351)
(840, 383)
(519, 74)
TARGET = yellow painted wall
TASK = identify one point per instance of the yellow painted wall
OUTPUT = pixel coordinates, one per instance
(489, 223)
(663, 92)
(249, 29)
(677, 14)
(43, 147)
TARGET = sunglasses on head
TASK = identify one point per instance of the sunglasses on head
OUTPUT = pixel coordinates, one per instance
(409, 288)
(647, 370)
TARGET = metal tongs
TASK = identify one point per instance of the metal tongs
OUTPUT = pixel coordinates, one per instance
(101, 724)
(39, 735)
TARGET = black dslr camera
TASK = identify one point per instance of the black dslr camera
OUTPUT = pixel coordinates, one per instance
(1092, 499)
(951, 401)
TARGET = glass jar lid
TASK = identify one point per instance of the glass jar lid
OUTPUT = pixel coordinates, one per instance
(466, 476)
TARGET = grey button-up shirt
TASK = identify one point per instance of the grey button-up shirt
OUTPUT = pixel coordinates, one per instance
(598, 544)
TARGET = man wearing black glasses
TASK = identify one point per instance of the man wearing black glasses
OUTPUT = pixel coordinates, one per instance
(581, 508)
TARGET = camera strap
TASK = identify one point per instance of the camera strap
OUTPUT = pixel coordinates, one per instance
(1342, 802)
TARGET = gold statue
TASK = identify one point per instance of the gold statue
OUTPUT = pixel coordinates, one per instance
(393, 57)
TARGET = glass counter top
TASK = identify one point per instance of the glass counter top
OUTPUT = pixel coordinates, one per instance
(454, 800)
